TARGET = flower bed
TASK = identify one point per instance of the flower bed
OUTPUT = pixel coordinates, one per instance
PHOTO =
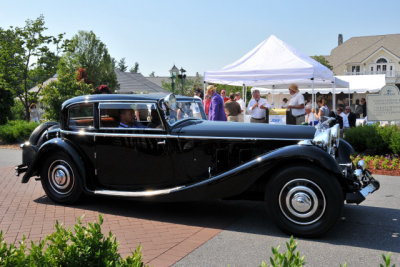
(381, 165)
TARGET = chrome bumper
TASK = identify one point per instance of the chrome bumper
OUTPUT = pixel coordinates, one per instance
(368, 186)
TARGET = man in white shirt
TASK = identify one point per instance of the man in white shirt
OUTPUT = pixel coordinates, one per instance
(345, 117)
(239, 100)
(257, 108)
(296, 104)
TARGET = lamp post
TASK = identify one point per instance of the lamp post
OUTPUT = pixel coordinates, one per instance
(174, 73)
(182, 77)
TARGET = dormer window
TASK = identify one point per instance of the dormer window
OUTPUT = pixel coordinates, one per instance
(381, 65)
(355, 69)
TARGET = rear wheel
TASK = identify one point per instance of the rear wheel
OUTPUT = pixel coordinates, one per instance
(60, 179)
(304, 200)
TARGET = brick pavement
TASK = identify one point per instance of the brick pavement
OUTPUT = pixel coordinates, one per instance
(166, 231)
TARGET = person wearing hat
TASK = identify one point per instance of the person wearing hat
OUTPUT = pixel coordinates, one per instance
(296, 104)
(216, 111)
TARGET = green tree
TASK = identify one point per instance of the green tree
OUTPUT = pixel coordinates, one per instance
(35, 46)
(67, 86)
(323, 61)
(10, 75)
(135, 69)
(121, 65)
(87, 51)
(26, 59)
(188, 86)
(152, 74)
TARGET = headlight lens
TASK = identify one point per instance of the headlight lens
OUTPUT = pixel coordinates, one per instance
(323, 139)
(335, 131)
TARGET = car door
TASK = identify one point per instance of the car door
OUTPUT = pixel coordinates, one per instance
(134, 157)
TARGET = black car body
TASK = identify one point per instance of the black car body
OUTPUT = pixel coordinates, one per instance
(172, 153)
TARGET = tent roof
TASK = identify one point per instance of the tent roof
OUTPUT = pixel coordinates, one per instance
(355, 84)
(272, 62)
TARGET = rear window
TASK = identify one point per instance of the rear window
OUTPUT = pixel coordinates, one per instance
(80, 117)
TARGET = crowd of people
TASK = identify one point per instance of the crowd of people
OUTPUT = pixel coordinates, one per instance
(218, 107)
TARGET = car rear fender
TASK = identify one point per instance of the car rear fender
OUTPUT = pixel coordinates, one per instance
(51, 146)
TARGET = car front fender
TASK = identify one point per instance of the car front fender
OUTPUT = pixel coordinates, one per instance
(53, 145)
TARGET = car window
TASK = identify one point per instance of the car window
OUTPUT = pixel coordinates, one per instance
(185, 109)
(121, 116)
(80, 117)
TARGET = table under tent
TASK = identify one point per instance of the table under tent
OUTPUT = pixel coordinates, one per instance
(275, 64)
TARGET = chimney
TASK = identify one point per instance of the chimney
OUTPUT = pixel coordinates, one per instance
(340, 39)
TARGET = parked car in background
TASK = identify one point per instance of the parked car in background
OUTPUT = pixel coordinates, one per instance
(170, 152)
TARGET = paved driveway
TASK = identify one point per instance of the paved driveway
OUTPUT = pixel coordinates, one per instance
(364, 233)
(191, 234)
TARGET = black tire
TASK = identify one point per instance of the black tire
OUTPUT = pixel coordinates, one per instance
(304, 201)
(61, 179)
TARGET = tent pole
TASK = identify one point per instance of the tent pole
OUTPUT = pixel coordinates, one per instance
(244, 94)
(272, 93)
(204, 90)
(312, 97)
(349, 96)
(334, 97)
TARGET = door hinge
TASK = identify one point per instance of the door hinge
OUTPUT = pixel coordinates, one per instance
(95, 172)
(95, 155)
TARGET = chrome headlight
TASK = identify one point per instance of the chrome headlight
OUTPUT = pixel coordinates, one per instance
(323, 139)
(335, 131)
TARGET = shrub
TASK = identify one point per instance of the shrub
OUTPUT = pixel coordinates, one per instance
(15, 131)
(289, 258)
(374, 139)
(293, 259)
(394, 143)
(85, 246)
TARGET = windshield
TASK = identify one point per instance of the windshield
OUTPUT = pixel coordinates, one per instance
(185, 109)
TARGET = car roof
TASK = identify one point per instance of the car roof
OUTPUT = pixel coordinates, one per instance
(119, 97)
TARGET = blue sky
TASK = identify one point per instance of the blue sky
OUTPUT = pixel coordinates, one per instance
(206, 35)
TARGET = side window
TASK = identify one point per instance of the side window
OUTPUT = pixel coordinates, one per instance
(130, 116)
(80, 117)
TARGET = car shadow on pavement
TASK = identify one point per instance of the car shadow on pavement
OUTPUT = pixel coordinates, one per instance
(360, 226)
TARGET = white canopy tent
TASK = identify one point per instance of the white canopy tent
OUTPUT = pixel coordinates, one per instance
(348, 84)
(276, 64)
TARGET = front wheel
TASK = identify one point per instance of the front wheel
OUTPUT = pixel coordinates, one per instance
(60, 179)
(304, 200)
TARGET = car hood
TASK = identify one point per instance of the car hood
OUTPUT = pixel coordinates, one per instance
(203, 128)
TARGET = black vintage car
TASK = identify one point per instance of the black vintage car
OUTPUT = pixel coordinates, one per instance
(150, 147)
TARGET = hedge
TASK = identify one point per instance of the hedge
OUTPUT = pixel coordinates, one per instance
(16, 131)
(374, 139)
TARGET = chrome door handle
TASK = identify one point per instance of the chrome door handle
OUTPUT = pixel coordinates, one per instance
(161, 142)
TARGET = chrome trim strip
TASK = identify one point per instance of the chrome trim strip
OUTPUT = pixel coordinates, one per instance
(135, 194)
(114, 134)
(151, 193)
(176, 136)
(238, 138)
(130, 129)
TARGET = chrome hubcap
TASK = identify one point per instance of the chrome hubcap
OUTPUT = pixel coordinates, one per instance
(302, 201)
(60, 177)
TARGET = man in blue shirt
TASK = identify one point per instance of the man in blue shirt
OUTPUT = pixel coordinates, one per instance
(127, 117)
